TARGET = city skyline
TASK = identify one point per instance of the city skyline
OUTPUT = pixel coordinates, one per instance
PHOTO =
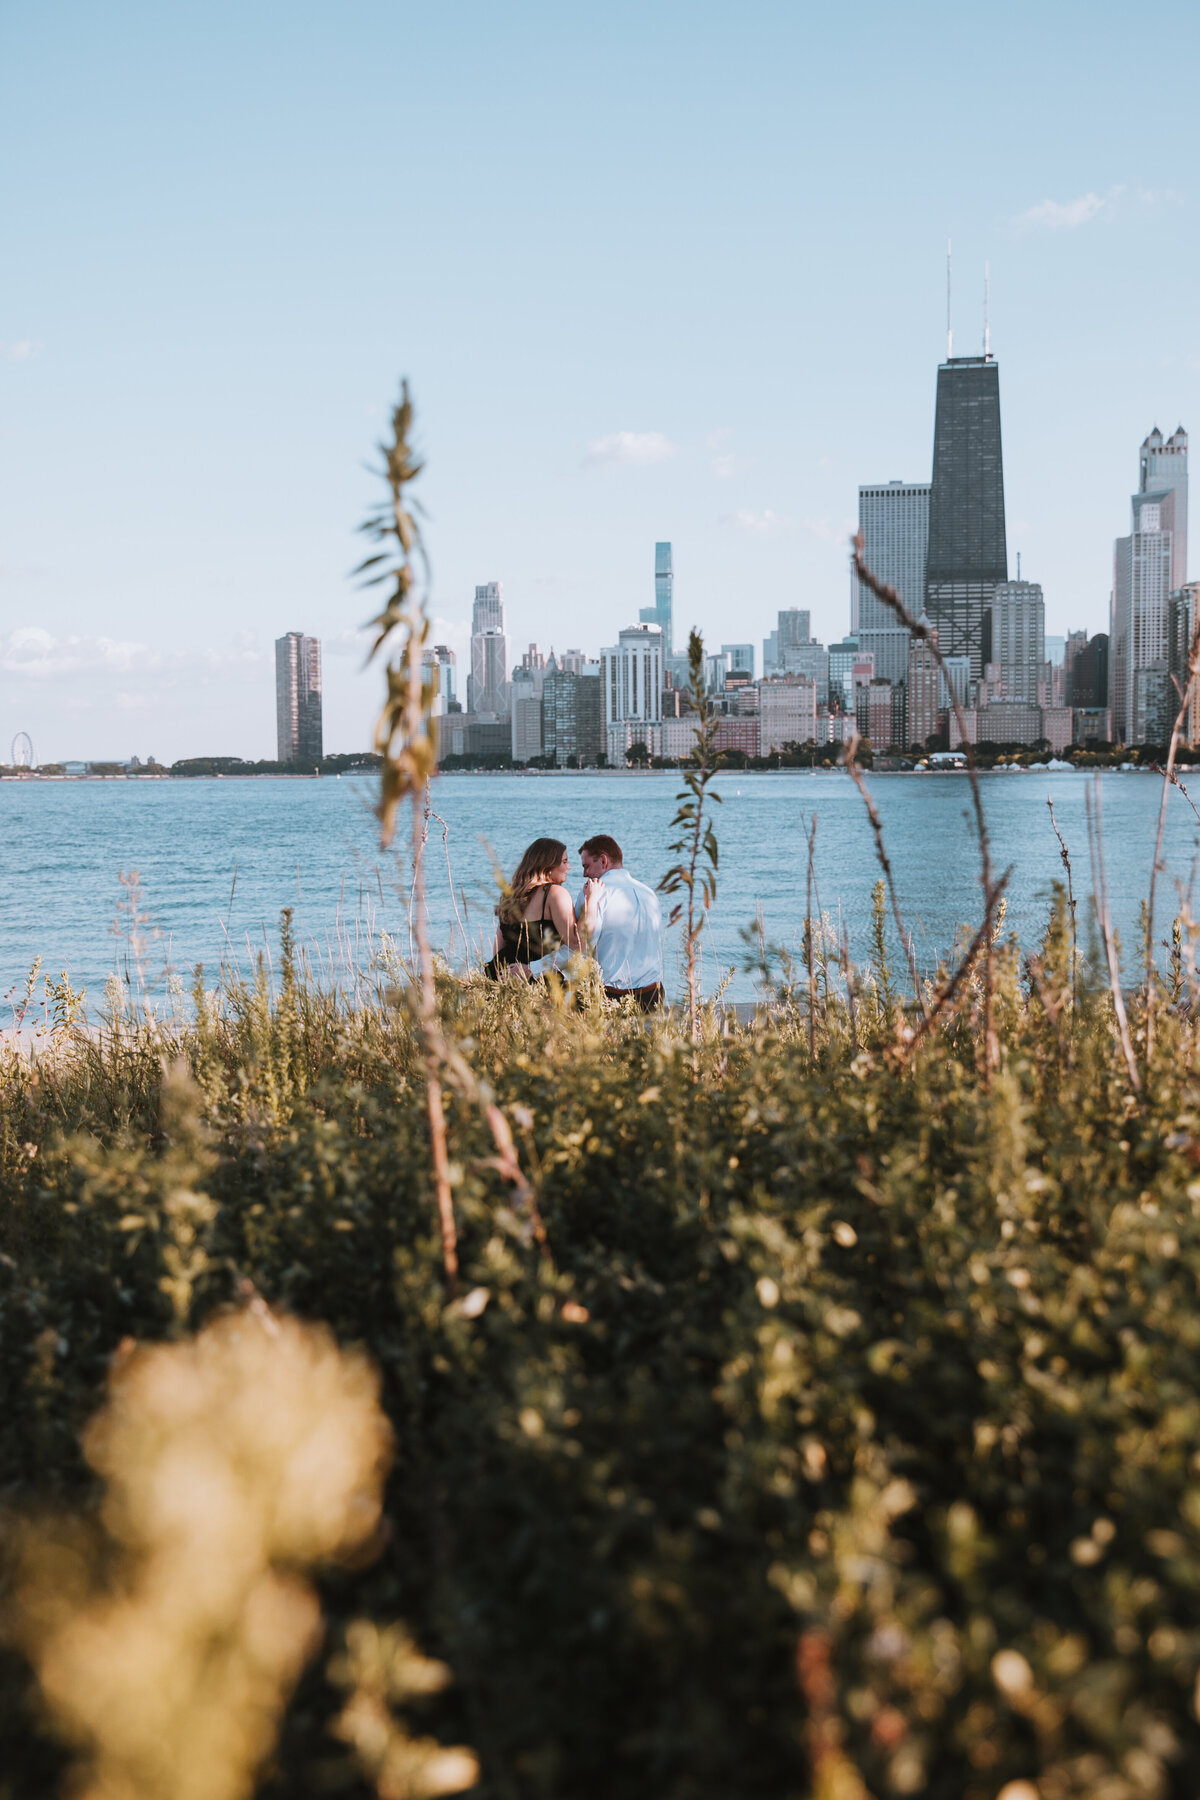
(203, 329)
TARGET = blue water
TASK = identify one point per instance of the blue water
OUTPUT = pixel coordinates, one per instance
(218, 860)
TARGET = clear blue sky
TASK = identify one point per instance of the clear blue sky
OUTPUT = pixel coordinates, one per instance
(655, 270)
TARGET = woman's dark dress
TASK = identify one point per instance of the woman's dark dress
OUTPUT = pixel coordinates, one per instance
(525, 941)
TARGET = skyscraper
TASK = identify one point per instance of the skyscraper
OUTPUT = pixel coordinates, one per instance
(572, 715)
(298, 731)
(525, 699)
(894, 520)
(439, 664)
(1018, 638)
(633, 678)
(1163, 473)
(968, 551)
(924, 691)
(660, 613)
(1145, 565)
(487, 684)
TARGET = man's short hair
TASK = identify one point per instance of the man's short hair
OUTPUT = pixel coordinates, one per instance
(603, 846)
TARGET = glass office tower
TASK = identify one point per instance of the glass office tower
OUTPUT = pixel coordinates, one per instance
(664, 592)
(893, 517)
(968, 551)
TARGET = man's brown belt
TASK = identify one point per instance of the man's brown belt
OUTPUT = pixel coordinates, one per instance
(647, 998)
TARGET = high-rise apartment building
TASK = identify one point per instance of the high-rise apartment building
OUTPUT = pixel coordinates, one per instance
(632, 674)
(787, 713)
(487, 683)
(716, 668)
(968, 552)
(956, 681)
(439, 663)
(793, 633)
(1145, 566)
(1182, 623)
(573, 734)
(794, 651)
(770, 654)
(741, 659)
(842, 658)
(525, 699)
(924, 690)
(660, 613)
(1017, 630)
(1087, 672)
(893, 518)
(875, 719)
(298, 730)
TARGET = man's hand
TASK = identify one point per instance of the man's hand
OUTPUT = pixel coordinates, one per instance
(592, 890)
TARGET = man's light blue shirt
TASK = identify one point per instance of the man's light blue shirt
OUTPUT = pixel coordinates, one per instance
(627, 939)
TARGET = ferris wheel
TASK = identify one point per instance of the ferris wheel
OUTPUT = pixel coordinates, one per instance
(22, 751)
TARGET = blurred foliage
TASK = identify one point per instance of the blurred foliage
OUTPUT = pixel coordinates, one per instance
(839, 1434)
(231, 1461)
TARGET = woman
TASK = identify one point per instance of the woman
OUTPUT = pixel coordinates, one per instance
(535, 917)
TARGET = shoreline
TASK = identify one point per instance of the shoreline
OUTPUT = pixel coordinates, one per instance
(1053, 768)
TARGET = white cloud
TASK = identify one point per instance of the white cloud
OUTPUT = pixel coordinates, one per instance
(756, 522)
(1069, 215)
(35, 654)
(723, 467)
(354, 641)
(1062, 215)
(630, 447)
(829, 531)
(21, 351)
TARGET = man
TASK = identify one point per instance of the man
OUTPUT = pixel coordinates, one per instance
(624, 925)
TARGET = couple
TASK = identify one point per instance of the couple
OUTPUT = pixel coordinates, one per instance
(617, 918)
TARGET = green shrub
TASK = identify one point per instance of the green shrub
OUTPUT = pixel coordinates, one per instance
(837, 1358)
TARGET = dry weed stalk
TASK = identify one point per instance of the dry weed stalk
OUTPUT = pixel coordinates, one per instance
(1064, 853)
(991, 888)
(810, 839)
(406, 739)
(232, 1461)
(850, 759)
(1100, 890)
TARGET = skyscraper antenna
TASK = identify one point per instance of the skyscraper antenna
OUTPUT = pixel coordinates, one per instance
(949, 325)
(987, 327)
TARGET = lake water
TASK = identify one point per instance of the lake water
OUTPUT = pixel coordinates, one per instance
(218, 860)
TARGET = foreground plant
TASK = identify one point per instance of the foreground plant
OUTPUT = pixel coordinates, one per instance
(879, 1373)
(232, 1462)
(696, 844)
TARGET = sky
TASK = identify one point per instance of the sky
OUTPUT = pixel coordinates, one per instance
(653, 270)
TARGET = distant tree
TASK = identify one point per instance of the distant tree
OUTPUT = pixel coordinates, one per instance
(638, 756)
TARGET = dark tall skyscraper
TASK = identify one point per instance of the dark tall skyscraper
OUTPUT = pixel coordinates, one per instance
(968, 552)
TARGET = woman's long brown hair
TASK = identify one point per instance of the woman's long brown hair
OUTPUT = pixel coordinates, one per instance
(543, 855)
